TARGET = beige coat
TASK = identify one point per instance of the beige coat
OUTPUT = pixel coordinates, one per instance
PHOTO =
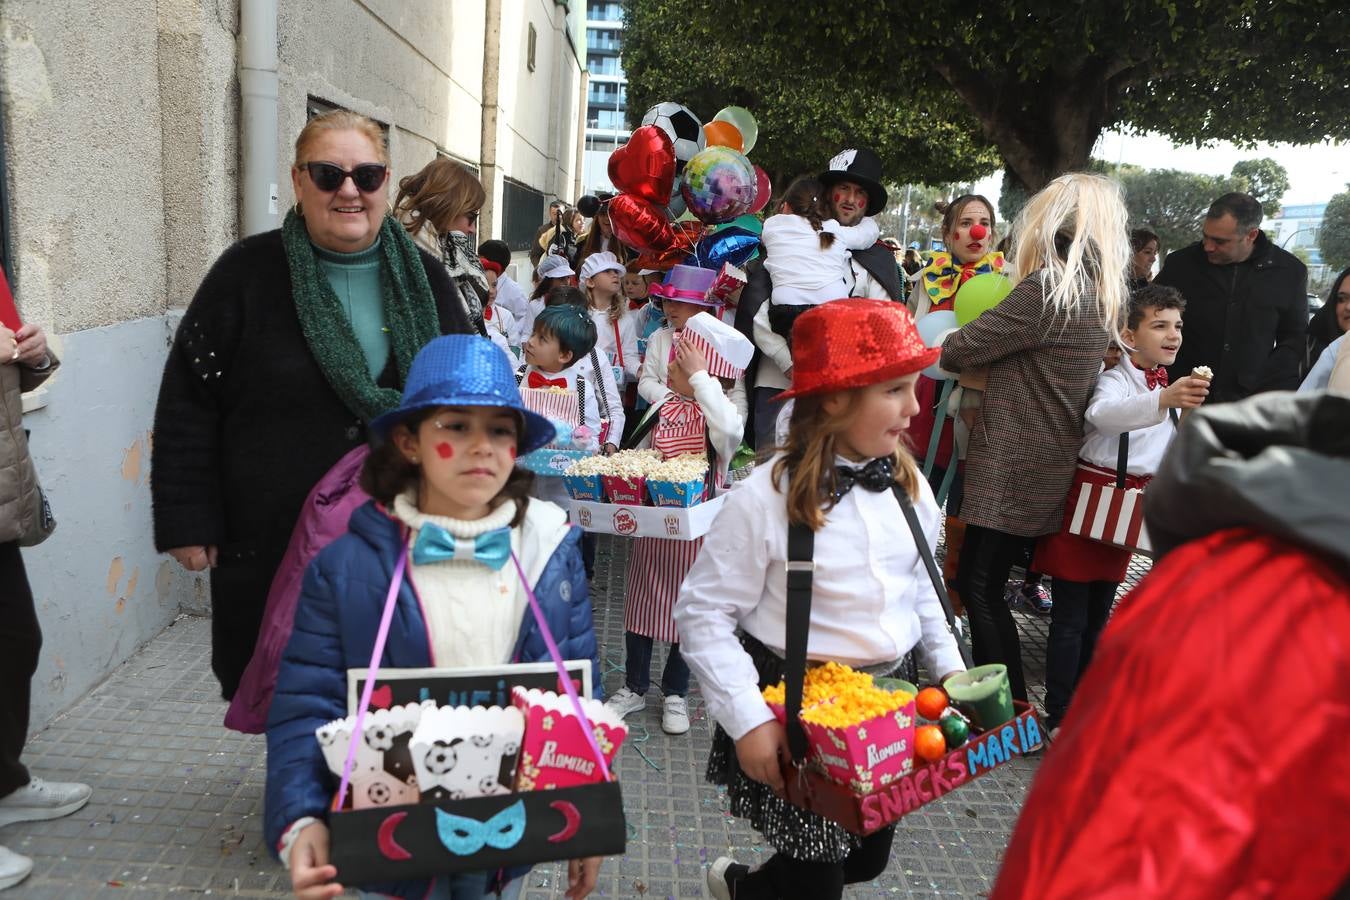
(18, 479)
(1024, 445)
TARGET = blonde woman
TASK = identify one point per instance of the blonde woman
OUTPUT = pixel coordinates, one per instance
(1043, 347)
(439, 206)
(262, 364)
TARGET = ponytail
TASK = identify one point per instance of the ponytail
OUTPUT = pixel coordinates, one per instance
(805, 197)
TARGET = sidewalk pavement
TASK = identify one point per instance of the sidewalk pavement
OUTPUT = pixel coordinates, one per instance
(177, 806)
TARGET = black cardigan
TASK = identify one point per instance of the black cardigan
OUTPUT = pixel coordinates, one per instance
(246, 422)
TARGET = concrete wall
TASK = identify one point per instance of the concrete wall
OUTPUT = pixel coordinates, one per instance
(121, 125)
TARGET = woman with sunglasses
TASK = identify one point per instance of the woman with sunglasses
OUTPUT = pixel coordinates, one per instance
(439, 206)
(295, 340)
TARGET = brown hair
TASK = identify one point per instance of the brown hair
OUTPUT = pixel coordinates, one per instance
(387, 473)
(436, 196)
(807, 462)
(1141, 238)
(339, 120)
(952, 214)
(1157, 297)
(805, 197)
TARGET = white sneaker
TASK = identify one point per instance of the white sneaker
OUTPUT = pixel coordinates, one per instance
(13, 868)
(674, 715)
(39, 800)
(722, 874)
(623, 701)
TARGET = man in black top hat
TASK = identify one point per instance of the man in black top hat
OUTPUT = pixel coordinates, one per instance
(853, 180)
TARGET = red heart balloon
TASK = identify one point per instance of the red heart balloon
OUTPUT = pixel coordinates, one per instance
(640, 223)
(645, 166)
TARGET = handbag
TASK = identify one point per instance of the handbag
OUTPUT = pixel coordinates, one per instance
(548, 825)
(36, 522)
(1113, 514)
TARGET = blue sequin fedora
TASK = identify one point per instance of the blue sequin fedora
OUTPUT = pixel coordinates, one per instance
(465, 370)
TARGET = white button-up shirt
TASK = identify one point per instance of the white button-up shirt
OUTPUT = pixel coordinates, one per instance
(872, 600)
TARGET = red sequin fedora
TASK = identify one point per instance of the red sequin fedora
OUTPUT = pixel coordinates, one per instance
(845, 344)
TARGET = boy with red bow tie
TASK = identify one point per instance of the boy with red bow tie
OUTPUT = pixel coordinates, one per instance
(1132, 397)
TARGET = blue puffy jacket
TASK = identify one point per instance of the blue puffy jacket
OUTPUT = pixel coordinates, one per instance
(335, 625)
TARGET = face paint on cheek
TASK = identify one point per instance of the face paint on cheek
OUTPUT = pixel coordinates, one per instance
(513, 452)
(444, 450)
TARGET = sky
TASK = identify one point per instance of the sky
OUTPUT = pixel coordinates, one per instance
(1316, 172)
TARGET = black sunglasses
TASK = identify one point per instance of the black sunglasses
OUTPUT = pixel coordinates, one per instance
(328, 177)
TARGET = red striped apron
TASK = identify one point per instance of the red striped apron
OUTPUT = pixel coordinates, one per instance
(1076, 558)
(656, 567)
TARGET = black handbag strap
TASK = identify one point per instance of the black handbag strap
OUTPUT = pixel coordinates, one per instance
(801, 567)
(1123, 453)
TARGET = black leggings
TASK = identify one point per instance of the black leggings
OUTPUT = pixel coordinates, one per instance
(20, 643)
(1079, 615)
(785, 878)
(987, 557)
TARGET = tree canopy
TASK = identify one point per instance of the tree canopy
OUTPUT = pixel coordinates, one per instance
(936, 84)
(1170, 203)
(1334, 238)
(1264, 179)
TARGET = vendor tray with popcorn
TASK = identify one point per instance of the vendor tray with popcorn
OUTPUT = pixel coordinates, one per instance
(426, 790)
(864, 768)
(635, 493)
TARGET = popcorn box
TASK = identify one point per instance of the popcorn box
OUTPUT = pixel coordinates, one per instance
(676, 493)
(555, 752)
(624, 490)
(550, 462)
(461, 751)
(552, 403)
(867, 755)
(383, 772)
(630, 520)
(584, 487)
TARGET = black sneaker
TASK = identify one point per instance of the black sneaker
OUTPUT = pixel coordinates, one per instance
(722, 877)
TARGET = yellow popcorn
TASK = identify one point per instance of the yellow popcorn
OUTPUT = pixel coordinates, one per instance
(836, 696)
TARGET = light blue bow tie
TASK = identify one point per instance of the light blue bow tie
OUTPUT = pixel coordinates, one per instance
(435, 544)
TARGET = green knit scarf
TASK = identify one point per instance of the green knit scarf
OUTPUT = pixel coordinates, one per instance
(409, 314)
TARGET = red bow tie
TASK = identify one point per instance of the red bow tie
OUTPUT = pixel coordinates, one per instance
(539, 381)
(1154, 377)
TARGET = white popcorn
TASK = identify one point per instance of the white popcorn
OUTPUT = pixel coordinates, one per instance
(1204, 372)
(680, 469)
(625, 464)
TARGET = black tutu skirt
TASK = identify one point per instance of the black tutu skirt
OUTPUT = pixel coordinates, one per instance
(789, 829)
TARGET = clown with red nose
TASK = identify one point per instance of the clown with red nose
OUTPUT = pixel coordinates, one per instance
(968, 235)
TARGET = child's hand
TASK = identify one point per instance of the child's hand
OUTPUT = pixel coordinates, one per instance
(690, 358)
(1187, 392)
(311, 875)
(761, 752)
(581, 876)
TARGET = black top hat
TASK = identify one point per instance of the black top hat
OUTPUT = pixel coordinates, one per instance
(863, 168)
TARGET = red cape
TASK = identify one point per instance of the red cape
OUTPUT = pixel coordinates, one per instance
(1201, 755)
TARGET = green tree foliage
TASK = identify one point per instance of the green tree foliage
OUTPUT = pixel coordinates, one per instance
(1039, 80)
(1171, 203)
(1264, 179)
(1334, 238)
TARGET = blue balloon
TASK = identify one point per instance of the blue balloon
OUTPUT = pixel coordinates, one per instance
(932, 328)
(730, 245)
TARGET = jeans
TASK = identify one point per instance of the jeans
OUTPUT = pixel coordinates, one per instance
(463, 886)
(783, 876)
(1077, 618)
(638, 667)
(20, 643)
(987, 557)
(766, 418)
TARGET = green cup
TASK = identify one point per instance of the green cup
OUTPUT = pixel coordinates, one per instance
(983, 694)
(895, 684)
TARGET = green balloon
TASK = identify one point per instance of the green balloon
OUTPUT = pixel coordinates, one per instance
(954, 729)
(979, 294)
(745, 123)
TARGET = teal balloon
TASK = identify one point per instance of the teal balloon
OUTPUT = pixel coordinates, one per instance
(745, 123)
(983, 292)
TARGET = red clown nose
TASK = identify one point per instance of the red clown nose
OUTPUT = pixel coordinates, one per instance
(978, 232)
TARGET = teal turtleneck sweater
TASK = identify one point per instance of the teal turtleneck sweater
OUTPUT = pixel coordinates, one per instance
(355, 278)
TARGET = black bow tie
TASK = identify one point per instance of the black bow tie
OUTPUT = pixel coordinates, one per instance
(876, 476)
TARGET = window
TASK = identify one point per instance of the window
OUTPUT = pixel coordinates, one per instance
(531, 44)
(522, 214)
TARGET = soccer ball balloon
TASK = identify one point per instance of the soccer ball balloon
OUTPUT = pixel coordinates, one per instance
(684, 128)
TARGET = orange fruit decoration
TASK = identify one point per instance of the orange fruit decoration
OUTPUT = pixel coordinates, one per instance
(929, 743)
(930, 703)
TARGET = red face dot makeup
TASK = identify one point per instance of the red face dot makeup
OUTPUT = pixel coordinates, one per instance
(444, 450)
(513, 452)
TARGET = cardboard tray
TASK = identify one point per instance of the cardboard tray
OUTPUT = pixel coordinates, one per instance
(668, 522)
(427, 839)
(866, 813)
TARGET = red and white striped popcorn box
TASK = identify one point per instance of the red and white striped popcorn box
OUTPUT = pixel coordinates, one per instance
(1112, 515)
(550, 403)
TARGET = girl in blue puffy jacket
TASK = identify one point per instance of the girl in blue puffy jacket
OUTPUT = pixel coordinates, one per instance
(444, 483)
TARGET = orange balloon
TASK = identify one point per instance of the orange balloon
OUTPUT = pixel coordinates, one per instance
(931, 702)
(929, 743)
(724, 134)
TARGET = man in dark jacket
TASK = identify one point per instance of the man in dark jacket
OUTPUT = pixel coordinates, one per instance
(855, 190)
(1246, 306)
